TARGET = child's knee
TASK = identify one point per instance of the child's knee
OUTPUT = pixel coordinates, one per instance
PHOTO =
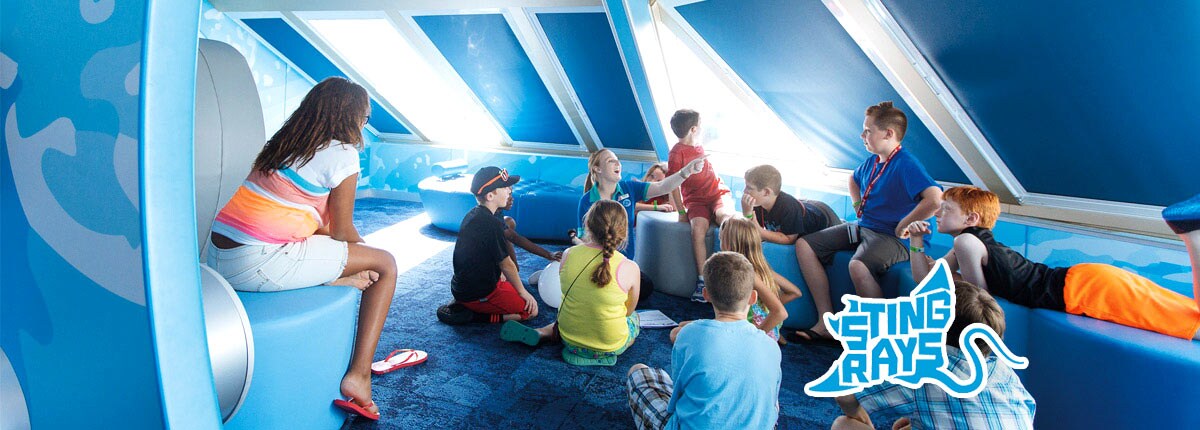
(861, 267)
(635, 368)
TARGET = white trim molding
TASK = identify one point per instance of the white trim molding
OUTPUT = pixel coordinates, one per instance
(301, 26)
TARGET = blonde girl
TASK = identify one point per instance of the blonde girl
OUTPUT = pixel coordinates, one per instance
(741, 235)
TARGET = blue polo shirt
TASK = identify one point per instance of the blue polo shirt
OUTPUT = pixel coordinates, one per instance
(628, 192)
(896, 192)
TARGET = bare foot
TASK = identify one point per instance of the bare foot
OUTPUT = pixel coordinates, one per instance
(360, 280)
(358, 388)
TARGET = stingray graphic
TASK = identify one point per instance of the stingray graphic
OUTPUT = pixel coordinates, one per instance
(903, 340)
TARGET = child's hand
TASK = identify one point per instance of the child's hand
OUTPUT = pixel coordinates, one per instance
(694, 167)
(916, 231)
(666, 207)
(748, 204)
(556, 256)
(531, 305)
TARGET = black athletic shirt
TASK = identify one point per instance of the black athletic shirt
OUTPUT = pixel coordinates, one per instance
(790, 216)
(1011, 276)
(477, 254)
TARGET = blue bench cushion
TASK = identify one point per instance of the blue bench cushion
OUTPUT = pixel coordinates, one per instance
(802, 313)
(664, 252)
(302, 344)
(542, 210)
(1088, 373)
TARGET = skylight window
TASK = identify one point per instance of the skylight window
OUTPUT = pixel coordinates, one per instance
(444, 113)
(736, 135)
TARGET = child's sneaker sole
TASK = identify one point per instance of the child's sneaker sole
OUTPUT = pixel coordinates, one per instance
(513, 331)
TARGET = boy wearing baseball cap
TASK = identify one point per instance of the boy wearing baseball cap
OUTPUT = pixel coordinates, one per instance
(485, 279)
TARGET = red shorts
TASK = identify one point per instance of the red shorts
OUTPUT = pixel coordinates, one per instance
(707, 210)
(503, 300)
(1109, 293)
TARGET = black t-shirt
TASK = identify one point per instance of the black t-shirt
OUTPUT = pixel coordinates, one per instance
(477, 254)
(789, 216)
(1011, 276)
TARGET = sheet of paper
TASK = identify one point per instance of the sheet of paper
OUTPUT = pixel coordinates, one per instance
(655, 319)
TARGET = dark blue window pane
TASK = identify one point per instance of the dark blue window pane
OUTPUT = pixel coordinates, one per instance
(588, 53)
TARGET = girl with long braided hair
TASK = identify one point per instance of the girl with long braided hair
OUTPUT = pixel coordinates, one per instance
(289, 225)
(596, 321)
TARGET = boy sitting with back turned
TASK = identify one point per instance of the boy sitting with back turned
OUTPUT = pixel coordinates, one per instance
(703, 194)
(485, 278)
(724, 372)
(780, 217)
(1097, 290)
(1004, 404)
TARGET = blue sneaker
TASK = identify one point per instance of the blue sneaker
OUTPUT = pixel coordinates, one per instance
(1184, 216)
(698, 295)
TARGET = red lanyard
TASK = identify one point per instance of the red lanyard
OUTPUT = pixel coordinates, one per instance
(872, 179)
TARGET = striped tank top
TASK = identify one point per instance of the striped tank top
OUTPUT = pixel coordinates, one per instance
(289, 204)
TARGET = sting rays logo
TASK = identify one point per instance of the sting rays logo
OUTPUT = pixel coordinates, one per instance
(903, 340)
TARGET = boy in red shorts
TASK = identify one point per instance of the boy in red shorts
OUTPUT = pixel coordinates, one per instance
(704, 196)
(485, 278)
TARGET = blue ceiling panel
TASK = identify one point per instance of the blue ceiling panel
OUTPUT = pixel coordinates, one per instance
(280, 35)
(1079, 98)
(588, 53)
(486, 54)
(803, 64)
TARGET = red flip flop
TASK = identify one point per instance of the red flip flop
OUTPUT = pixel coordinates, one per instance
(399, 359)
(353, 408)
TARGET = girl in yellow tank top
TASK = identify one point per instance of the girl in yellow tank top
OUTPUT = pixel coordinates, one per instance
(596, 321)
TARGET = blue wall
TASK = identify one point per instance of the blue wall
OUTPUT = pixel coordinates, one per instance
(79, 318)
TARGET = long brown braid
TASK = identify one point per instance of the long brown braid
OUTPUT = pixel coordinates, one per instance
(334, 109)
(593, 163)
(607, 226)
(741, 235)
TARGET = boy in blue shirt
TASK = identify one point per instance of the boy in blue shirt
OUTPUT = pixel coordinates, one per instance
(889, 190)
(724, 371)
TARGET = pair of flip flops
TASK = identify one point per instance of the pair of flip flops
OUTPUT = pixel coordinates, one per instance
(398, 359)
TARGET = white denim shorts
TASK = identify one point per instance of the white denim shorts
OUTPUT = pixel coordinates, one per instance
(265, 268)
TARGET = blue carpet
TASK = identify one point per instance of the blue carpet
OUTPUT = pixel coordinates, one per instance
(474, 380)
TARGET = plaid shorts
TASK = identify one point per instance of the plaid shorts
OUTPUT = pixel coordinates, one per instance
(649, 393)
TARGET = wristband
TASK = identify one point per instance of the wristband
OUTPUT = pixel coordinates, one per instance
(916, 249)
(683, 211)
(856, 204)
(655, 205)
(750, 215)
